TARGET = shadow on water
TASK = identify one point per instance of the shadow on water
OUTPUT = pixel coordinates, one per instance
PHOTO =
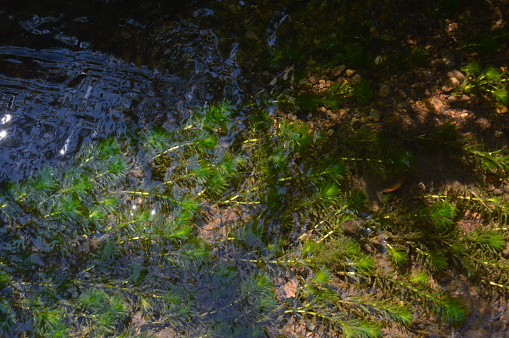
(78, 74)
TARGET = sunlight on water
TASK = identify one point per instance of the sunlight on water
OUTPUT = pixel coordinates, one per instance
(55, 99)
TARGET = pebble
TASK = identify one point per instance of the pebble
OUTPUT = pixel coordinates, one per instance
(353, 226)
(402, 94)
(497, 192)
(456, 74)
(454, 79)
(375, 116)
(313, 80)
(384, 90)
(448, 58)
(501, 109)
(337, 71)
(350, 72)
(356, 78)
(437, 105)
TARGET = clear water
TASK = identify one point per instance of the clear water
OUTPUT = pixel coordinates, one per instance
(58, 91)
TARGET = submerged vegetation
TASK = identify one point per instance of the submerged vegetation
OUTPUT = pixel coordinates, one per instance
(235, 228)
(257, 221)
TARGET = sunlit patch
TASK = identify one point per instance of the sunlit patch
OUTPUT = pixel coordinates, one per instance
(6, 118)
(65, 148)
(3, 134)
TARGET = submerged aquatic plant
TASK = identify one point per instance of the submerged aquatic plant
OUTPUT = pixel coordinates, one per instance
(211, 229)
(488, 82)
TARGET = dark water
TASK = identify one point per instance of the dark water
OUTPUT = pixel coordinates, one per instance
(67, 78)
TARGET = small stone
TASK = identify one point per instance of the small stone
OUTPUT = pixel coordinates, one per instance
(337, 71)
(402, 94)
(375, 116)
(356, 78)
(451, 98)
(313, 80)
(450, 84)
(497, 192)
(448, 58)
(384, 90)
(498, 133)
(353, 226)
(501, 109)
(417, 85)
(454, 80)
(456, 74)
(350, 72)
(436, 104)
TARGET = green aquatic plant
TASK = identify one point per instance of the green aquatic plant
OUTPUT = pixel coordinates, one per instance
(211, 229)
(488, 82)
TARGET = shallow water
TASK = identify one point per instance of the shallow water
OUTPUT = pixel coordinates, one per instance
(58, 91)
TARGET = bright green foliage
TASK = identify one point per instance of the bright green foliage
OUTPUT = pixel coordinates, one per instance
(488, 82)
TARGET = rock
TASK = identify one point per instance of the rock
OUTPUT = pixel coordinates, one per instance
(356, 78)
(448, 58)
(456, 74)
(337, 71)
(402, 94)
(313, 80)
(450, 85)
(384, 90)
(353, 226)
(436, 104)
(497, 192)
(501, 109)
(375, 116)
(350, 72)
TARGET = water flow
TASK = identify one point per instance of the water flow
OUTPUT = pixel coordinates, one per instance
(53, 99)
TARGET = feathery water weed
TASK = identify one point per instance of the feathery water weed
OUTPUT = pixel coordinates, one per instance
(200, 236)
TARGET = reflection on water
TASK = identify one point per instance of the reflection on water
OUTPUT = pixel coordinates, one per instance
(54, 99)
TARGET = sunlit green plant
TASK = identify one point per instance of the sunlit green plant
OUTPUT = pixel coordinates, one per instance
(488, 82)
